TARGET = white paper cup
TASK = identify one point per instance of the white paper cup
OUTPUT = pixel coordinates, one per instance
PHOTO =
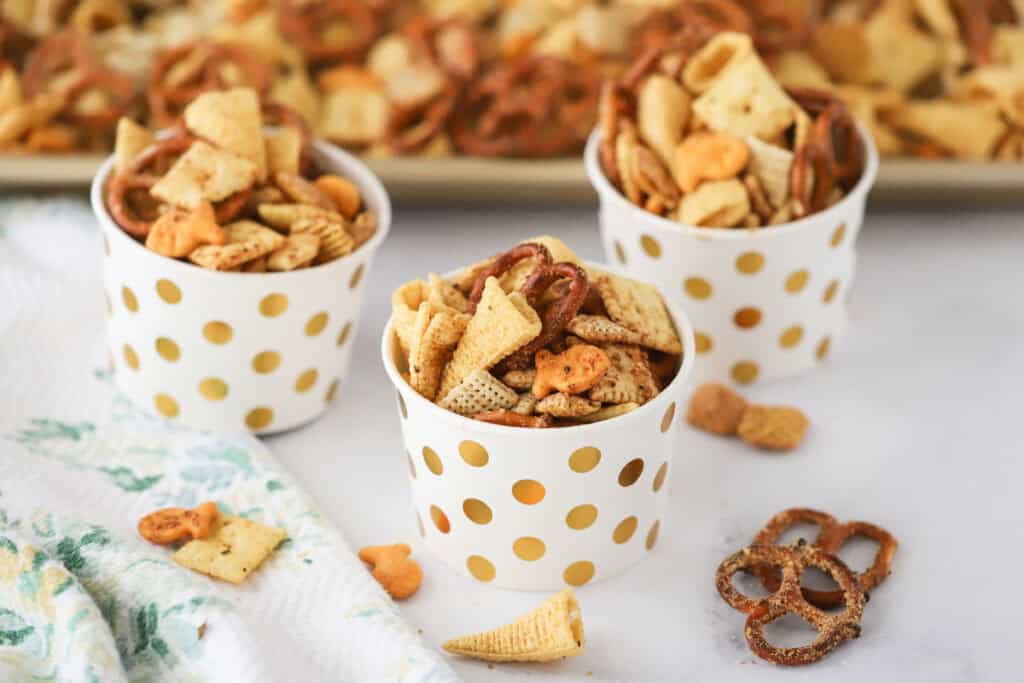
(539, 509)
(227, 351)
(765, 304)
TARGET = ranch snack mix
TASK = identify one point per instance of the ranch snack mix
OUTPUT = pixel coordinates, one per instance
(534, 338)
(701, 132)
(223, 193)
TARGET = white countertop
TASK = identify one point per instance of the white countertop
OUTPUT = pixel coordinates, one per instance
(916, 427)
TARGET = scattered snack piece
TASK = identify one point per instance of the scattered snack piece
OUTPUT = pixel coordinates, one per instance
(171, 525)
(716, 408)
(832, 535)
(233, 550)
(775, 428)
(523, 340)
(218, 190)
(394, 570)
(834, 628)
(552, 631)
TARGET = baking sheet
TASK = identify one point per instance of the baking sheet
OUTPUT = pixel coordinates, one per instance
(463, 179)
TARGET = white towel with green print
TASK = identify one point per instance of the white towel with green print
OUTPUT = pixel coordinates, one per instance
(82, 598)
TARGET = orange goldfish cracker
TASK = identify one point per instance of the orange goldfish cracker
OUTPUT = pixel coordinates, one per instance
(716, 408)
(776, 428)
(572, 372)
(393, 569)
(343, 192)
(709, 156)
(171, 525)
(179, 232)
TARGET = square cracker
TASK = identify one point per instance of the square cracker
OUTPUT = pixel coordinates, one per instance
(204, 173)
(746, 100)
(598, 329)
(503, 323)
(435, 333)
(234, 549)
(232, 120)
(246, 240)
(629, 378)
(566, 405)
(284, 216)
(638, 307)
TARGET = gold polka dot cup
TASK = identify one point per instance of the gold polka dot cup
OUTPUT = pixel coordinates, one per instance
(229, 352)
(541, 509)
(765, 304)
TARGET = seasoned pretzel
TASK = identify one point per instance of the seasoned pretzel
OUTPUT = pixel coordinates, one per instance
(831, 537)
(780, 25)
(833, 629)
(450, 44)
(832, 155)
(510, 419)
(67, 51)
(411, 128)
(171, 525)
(502, 264)
(556, 315)
(138, 176)
(716, 16)
(535, 107)
(166, 101)
(303, 23)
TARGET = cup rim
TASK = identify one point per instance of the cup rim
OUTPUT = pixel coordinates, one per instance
(608, 192)
(686, 335)
(353, 167)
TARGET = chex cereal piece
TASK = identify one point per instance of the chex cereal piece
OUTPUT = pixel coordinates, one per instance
(502, 324)
(131, 140)
(521, 380)
(334, 241)
(552, 631)
(179, 232)
(526, 405)
(629, 378)
(638, 307)
(301, 191)
(716, 408)
(598, 329)
(204, 173)
(284, 150)
(232, 551)
(566, 405)
(771, 165)
(776, 428)
(297, 251)
(435, 333)
(480, 392)
(364, 227)
(231, 120)
(246, 240)
(442, 293)
(717, 203)
(608, 412)
(282, 216)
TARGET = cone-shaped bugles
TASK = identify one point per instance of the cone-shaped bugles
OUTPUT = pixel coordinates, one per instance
(552, 631)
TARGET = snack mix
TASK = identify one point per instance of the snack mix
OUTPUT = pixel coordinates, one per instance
(517, 78)
(225, 194)
(534, 338)
(780, 568)
(393, 569)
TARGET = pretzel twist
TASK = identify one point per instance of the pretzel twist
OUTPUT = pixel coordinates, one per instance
(502, 264)
(304, 22)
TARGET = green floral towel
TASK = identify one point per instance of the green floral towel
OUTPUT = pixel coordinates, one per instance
(82, 597)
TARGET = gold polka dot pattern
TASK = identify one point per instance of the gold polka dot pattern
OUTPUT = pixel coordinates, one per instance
(745, 372)
(581, 516)
(624, 530)
(584, 459)
(316, 324)
(473, 453)
(528, 491)
(432, 460)
(440, 519)
(666, 419)
(166, 405)
(168, 291)
(481, 568)
(213, 389)
(697, 287)
(750, 262)
(650, 246)
(630, 472)
(273, 305)
(579, 573)
(217, 332)
(259, 418)
(477, 511)
(529, 548)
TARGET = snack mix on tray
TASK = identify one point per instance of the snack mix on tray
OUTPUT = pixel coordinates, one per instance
(533, 338)
(780, 569)
(227, 195)
(519, 78)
